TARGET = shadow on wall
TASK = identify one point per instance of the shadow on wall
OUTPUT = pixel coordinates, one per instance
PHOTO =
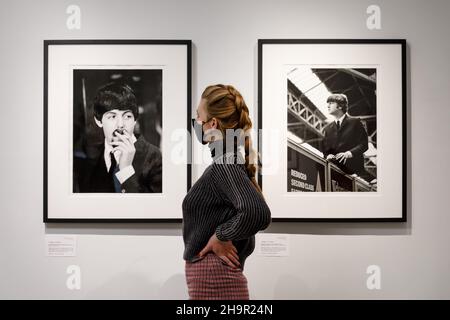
(289, 286)
(382, 229)
(174, 288)
(127, 285)
(129, 229)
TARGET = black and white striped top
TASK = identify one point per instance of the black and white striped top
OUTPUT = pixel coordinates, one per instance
(224, 201)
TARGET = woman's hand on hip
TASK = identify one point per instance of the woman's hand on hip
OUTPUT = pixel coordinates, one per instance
(225, 250)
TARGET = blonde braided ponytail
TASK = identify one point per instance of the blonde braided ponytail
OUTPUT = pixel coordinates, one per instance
(227, 105)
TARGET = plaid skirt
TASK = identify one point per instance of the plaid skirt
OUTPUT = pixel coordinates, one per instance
(212, 279)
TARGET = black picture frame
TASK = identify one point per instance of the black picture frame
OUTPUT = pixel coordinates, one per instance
(185, 46)
(287, 45)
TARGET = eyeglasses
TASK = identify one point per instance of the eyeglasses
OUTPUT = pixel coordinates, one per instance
(200, 122)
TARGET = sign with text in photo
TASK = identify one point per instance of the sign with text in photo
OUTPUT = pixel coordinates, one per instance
(304, 173)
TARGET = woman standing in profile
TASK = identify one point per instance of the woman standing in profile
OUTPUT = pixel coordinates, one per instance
(225, 208)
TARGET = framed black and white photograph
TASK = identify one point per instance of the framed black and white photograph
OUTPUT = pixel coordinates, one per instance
(114, 112)
(332, 129)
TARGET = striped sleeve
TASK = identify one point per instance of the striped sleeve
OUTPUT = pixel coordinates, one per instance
(251, 211)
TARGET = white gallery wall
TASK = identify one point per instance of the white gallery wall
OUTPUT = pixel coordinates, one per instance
(144, 261)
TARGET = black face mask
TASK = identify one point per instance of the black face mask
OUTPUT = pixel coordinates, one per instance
(199, 132)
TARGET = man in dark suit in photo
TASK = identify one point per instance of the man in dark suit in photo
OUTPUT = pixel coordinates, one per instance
(345, 138)
(126, 164)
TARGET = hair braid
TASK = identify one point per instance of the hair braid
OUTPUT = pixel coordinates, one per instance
(227, 105)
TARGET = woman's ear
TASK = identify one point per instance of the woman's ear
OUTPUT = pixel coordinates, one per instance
(214, 123)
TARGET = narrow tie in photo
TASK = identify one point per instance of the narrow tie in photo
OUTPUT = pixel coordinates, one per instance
(113, 170)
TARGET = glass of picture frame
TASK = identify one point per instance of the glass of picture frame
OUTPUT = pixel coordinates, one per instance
(109, 120)
(332, 121)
